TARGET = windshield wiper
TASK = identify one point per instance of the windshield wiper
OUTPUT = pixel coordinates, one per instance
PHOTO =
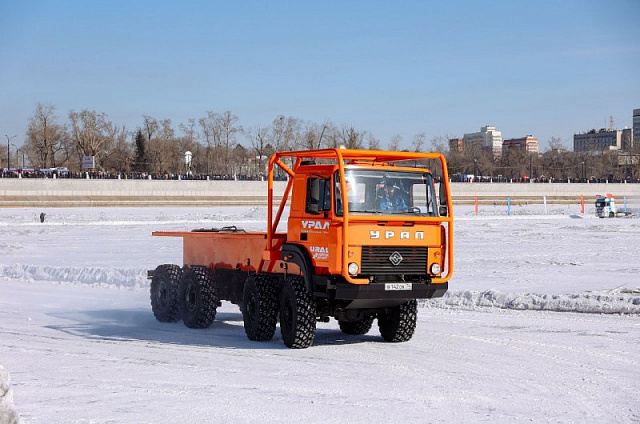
(366, 211)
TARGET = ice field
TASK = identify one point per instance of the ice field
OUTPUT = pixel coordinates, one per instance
(541, 323)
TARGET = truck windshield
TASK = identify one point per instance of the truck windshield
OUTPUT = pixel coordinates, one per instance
(385, 192)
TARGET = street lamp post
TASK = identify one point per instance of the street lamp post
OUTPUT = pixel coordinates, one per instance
(9, 150)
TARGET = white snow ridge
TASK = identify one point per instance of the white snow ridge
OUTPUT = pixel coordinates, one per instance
(90, 276)
(8, 415)
(615, 301)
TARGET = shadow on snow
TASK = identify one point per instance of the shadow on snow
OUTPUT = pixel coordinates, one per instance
(139, 325)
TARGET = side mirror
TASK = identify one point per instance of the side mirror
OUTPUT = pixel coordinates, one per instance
(443, 210)
(442, 194)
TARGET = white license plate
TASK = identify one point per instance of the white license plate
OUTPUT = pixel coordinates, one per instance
(398, 286)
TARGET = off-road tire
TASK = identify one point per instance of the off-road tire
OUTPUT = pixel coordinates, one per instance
(197, 297)
(357, 328)
(399, 323)
(164, 292)
(297, 314)
(259, 308)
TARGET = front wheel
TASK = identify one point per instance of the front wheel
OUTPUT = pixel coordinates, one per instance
(297, 314)
(399, 323)
(197, 298)
(259, 308)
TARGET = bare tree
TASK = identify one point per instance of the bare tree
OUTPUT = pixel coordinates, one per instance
(166, 130)
(439, 144)
(189, 130)
(90, 134)
(418, 142)
(259, 139)
(286, 133)
(119, 152)
(373, 143)
(47, 141)
(555, 143)
(394, 144)
(211, 135)
(229, 128)
(352, 138)
(150, 127)
(312, 137)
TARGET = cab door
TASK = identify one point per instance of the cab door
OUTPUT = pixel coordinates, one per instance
(311, 225)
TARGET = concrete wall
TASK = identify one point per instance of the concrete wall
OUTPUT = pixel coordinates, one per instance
(535, 192)
(63, 192)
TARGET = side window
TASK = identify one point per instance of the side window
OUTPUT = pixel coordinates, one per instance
(338, 195)
(318, 195)
(420, 199)
(326, 198)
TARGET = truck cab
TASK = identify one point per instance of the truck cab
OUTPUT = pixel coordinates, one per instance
(368, 234)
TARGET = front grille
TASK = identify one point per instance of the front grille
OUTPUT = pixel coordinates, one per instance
(377, 260)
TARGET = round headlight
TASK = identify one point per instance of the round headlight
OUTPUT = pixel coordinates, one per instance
(435, 268)
(353, 268)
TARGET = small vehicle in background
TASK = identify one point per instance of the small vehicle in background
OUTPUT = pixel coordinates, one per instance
(606, 206)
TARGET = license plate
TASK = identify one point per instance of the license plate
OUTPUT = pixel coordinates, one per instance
(398, 286)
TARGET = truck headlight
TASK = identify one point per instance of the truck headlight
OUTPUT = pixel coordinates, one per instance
(353, 268)
(435, 268)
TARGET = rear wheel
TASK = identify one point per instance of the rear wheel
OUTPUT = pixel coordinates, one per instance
(197, 298)
(399, 323)
(259, 308)
(360, 327)
(164, 293)
(297, 314)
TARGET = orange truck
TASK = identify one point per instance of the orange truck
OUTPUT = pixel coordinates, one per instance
(368, 233)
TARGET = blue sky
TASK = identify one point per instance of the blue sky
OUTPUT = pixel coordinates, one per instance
(547, 68)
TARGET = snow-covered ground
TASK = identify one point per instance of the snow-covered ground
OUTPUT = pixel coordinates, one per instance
(541, 323)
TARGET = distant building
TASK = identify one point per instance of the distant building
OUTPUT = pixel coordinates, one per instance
(527, 144)
(597, 140)
(636, 127)
(627, 139)
(456, 145)
(488, 140)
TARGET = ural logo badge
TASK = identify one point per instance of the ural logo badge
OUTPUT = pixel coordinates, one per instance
(395, 258)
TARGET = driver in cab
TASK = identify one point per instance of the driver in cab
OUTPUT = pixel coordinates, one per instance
(391, 199)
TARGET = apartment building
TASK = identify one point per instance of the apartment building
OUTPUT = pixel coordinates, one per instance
(488, 139)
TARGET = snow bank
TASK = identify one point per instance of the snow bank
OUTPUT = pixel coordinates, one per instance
(8, 415)
(90, 276)
(617, 301)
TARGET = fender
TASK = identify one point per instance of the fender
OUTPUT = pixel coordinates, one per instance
(299, 256)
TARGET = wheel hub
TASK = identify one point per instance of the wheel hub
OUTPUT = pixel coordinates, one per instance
(191, 298)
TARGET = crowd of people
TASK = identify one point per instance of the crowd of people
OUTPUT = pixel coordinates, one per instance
(462, 178)
(102, 175)
(64, 173)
